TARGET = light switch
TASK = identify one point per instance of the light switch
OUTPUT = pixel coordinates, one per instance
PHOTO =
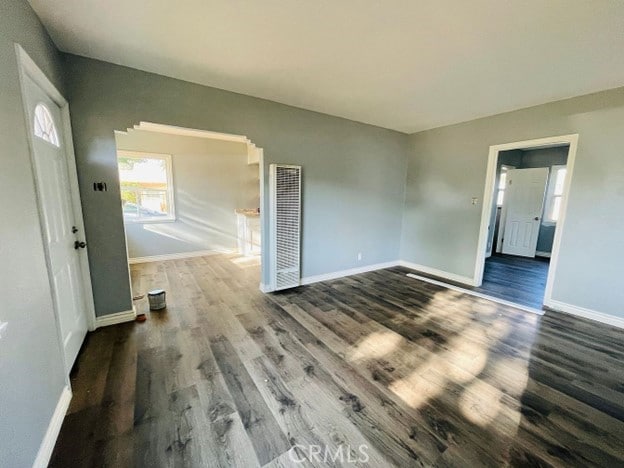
(3, 327)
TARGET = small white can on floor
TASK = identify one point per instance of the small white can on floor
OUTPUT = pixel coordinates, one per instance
(157, 299)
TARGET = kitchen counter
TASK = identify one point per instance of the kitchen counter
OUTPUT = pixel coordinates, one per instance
(247, 212)
(248, 226)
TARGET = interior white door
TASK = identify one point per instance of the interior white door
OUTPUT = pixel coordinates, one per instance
(57, 218)
(524, 203)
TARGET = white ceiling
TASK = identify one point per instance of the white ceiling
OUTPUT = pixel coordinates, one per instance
(407, 65)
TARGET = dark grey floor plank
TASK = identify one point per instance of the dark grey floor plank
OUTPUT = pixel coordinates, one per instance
(266, 436)
(423, 375)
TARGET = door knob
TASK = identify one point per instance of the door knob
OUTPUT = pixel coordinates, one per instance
(79, 245)
(536, 218)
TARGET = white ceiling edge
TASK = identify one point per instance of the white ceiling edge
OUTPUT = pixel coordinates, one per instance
(192, 132)
(253, 151)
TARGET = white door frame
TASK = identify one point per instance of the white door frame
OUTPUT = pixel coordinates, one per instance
(497, 243)
(493, 247)
(488, 199)
(27, 67)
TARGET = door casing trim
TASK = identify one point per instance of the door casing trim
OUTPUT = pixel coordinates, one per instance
(488, 198)
(28, 68)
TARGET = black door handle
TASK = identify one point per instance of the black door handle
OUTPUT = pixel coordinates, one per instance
(79, 245)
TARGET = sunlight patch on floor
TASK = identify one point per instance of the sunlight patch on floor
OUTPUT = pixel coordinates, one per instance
(415, 390)
(445, 305)
(480, 403)
(374, 346)
(468, 360)
(470, 365)
(246, 262)
(514, 372)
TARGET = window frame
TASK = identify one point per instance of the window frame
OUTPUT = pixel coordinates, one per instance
(547, 219)
(169, 191)
(505, 168)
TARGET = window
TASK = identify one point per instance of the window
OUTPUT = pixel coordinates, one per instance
(146, 187)
(502, 183)
(555, 193)
(44, 125)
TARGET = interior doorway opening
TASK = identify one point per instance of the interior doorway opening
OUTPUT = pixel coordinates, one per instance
(187, 194)
(523, 218)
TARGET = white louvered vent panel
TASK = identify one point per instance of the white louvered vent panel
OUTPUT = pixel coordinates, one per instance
(285, 184)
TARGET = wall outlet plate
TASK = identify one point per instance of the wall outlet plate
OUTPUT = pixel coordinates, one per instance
(3, 327)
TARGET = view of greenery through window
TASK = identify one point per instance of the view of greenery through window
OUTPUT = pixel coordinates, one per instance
(145, 191)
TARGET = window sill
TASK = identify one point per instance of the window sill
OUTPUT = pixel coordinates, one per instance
(549, 223)
(150, 221)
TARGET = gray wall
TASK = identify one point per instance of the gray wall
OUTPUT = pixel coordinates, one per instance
(31, 370)
(211, 179)
(545, 238)
(544, 157)
(353, 174)
(447, 167)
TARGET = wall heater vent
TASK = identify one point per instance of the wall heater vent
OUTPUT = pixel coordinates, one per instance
(285, 199)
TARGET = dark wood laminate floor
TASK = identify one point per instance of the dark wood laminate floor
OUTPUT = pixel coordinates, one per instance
(411, 373)
(517, 279)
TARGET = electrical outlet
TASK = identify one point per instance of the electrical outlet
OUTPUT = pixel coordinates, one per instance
(475, 200)
(359, 256)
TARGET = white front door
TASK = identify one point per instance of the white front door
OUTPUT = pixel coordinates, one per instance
(524, 203)
(60, 232)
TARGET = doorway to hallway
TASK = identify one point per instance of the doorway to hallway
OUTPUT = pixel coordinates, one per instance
(522, 221)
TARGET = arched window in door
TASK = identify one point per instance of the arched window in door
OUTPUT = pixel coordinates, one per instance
(44, 125)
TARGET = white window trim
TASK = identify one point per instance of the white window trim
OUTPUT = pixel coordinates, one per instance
(170, 188)
(550, 194)
(504, 168)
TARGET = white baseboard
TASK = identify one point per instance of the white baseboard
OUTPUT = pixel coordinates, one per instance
(539, 253)
(177, 256)
(114, 319)
(349, 272)
(552, 304)
(439, 273)
(265, 288)
(586, 313)
(478, 294)
(49, 440)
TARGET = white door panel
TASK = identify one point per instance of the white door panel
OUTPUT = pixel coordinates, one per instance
(58, 222)
(524, 203)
